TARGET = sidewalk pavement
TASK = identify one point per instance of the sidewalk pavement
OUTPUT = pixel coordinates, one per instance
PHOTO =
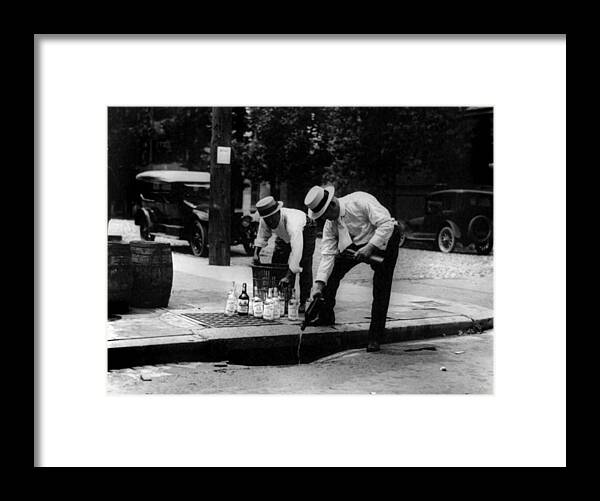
(166, 335)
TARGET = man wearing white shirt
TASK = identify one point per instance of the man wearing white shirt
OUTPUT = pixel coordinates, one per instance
(356, 222)
(294, 245)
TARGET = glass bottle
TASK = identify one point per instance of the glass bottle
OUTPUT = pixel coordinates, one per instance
(268, 309)
(257, 304)
(251, 302)
(293, 305)
(277, 306)
(231, 304)
(243, 303)
(282, 303)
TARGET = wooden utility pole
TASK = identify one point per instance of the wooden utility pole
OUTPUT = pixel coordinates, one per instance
(219, 221)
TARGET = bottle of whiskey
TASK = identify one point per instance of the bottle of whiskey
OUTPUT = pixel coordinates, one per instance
(251, 303)
(277, 306)
(258, 304)
(243, 303)
(268, 309)
(282, 303)
(231, 304)
(293, 305)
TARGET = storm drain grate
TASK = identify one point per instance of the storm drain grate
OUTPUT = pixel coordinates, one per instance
(221, 320)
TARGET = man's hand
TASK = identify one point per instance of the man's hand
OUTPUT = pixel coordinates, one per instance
(256, 258)
(317, 289)
(286, 281)
(364, 253)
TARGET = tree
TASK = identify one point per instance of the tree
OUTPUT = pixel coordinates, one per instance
(375, 149)
(283, 146)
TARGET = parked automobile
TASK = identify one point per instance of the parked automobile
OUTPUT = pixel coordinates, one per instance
(453, 216)
(174, 204)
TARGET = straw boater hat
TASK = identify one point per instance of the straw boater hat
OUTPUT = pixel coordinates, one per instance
(268, 206)
(317, 200)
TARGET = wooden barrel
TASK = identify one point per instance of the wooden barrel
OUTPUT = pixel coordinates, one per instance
(120, 277)
(152, 266)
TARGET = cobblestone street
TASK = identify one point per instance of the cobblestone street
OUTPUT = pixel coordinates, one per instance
(416, 264)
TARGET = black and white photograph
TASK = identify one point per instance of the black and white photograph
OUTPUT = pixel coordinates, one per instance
(300, 250)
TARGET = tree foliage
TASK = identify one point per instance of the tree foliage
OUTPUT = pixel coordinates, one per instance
(138, 137)
(283, 143)
(353, 148)
(377, 149)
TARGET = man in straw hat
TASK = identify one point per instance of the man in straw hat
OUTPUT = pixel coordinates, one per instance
(294, 245)
(357, 227)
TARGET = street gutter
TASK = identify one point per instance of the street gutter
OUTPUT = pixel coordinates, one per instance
(280, 345)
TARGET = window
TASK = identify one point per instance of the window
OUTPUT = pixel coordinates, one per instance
(485, 202)
(480, 201)
(434, 205)
(161, 187)
(448, 202)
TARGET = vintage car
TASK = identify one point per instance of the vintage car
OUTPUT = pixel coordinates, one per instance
(452, 217)
(175, 203)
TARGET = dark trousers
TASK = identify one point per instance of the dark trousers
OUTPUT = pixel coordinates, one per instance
(382, 284)
(281, 255)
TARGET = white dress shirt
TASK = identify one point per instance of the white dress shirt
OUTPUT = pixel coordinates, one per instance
(363, 219)
(290, 230)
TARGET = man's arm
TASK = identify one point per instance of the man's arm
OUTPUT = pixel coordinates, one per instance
(262, 239)
(329, 249)
(295, 228)
(263, 235)
(297, 245)
(379, 217)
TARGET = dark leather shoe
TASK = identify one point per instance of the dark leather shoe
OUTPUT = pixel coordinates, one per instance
(373, 346)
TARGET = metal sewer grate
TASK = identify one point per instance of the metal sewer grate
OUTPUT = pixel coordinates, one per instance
(221, 320)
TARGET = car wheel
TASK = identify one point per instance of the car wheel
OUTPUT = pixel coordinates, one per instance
(198, 241)
(446, 240)
(480, 230)
(484, 248)
(145, 232)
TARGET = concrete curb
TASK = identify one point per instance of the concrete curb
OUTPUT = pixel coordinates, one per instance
(252, 345)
